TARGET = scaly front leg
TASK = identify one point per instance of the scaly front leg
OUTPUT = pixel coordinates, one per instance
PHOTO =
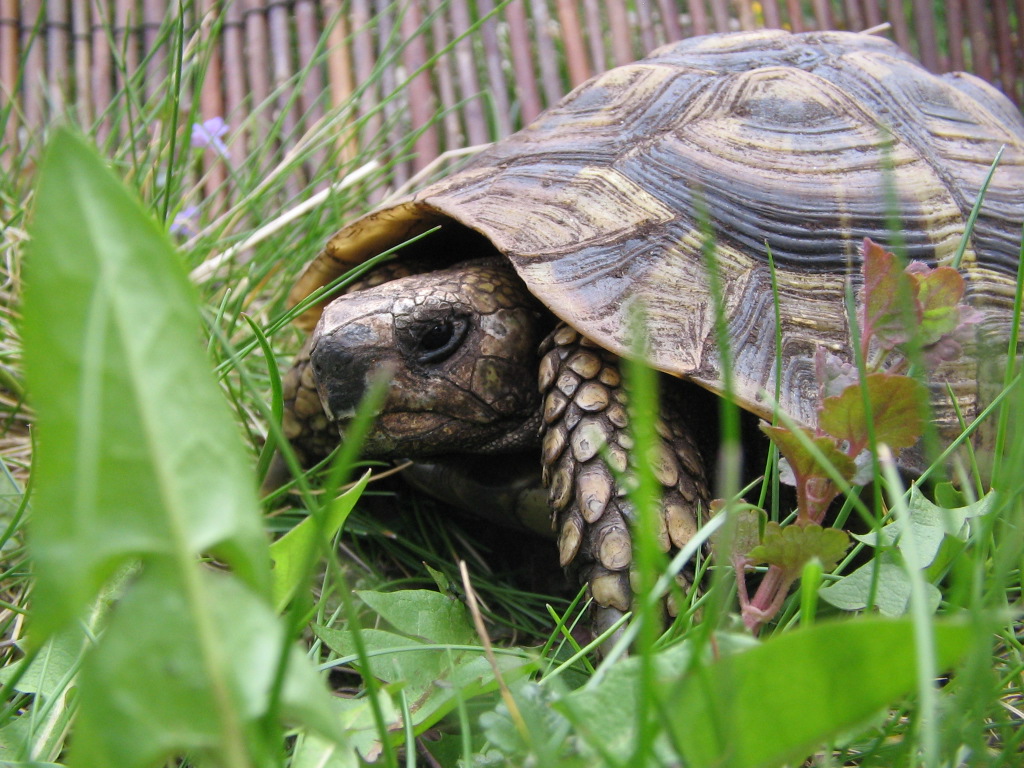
(587, 465)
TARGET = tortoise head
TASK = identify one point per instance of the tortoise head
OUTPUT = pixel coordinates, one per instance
(458, 349)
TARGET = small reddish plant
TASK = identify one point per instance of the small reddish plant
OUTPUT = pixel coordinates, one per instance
(916, 308)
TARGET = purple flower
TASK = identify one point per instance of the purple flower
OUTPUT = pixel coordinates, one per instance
(209, 134)
(184, 221)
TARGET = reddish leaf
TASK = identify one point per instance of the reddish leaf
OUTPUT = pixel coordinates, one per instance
(896, 408)
(801, 461)
(888, 300)
(814, 490)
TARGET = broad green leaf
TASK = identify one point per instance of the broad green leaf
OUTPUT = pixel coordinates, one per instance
(205, 675)
(140, 471)
(290, 554)
(892, 590)
(772, 704)
(137, 454)
(897, 408)
(430, 616)
(791, 546)
(433, 679)
(53, 667)
(930, 524)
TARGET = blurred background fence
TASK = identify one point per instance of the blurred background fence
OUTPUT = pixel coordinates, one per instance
(413, 77)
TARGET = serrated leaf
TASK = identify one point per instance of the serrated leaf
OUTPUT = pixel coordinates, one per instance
(137, 452)
(791, 546)
(888, 303)
(291, 552)
(939, 292)
(897, 411)
(892, 590)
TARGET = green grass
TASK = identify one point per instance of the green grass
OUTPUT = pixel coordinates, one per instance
(387, 595)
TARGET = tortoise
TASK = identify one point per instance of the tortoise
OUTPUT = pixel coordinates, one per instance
(502, 329)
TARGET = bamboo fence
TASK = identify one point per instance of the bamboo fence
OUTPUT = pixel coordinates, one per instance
(449, 73)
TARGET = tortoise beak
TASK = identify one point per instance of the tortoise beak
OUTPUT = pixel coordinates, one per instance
(344, 362)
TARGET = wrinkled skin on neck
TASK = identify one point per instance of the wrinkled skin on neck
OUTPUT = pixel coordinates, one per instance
(458, 349)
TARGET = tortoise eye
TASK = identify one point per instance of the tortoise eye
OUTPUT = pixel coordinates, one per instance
(441, 339)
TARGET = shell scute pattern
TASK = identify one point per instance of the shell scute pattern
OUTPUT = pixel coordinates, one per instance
(766, 137)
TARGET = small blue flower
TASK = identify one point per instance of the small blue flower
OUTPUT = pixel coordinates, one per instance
(185, 221)
(209, 134)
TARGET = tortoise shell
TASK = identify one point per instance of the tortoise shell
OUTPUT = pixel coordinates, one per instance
(801, 143)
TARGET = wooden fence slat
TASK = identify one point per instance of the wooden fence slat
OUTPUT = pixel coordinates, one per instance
(854, 18)
(698, 18)
(572, 39)
(645, 22)
(340, 74)
(1019, 47)
(211, 104)
(453, 136)
(547, 57)
(900, 30)
(396, 116)
(772, 17)
(9, 76)
(796, 15)
(1004, 47)
(955, 34)
(256, 45)
(422, 104)
(595, 35)
(469, 84)
(82, 54)
(102, 66)
(363, 59)
(925, 34)
(823, 14)
(872, 13)
(619, 29)
(745, 11)
(153, 14)
(670, 18)
(307, 38)
(981, 54)
(126, 54)
(233, 44)
(283, 74)
(32, 85)
(720, 13)
(494, 60)
(522, 62)
(57, 49)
